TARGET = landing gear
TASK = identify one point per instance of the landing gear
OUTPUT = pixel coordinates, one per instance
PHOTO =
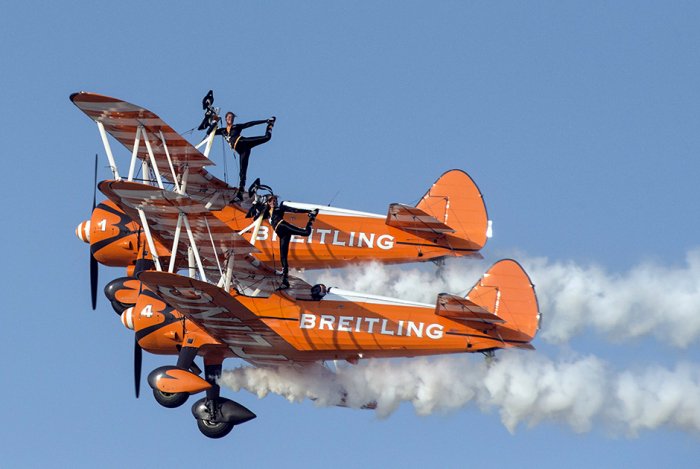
(490, 357)
(216, 416)
(214, 429)
(170, 400)
(440, 264)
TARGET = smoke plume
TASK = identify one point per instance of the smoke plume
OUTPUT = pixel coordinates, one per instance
(524, 387)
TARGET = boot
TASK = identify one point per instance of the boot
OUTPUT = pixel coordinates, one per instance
(284, 284)
(253, 187)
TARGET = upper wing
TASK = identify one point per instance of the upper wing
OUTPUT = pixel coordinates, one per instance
(224, 318)
(219, 248)
(122, 120)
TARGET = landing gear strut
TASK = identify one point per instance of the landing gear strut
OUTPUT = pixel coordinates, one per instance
(216, 416)
(490, 357)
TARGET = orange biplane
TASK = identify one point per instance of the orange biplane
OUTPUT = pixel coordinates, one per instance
(202, 281)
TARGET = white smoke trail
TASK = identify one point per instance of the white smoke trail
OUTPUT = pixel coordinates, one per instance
(649, 299)
(524, 387)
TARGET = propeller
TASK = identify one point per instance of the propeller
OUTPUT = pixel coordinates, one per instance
(137, 365)
(93, 261)
(138, 351)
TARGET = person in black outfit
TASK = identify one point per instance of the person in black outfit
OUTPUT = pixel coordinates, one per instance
(242, 145)
(285, 230)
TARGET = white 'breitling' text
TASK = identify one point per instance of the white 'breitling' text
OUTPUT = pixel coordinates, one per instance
(334, 237)
(370, 325)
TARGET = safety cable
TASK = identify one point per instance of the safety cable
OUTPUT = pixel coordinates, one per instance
(223, 152)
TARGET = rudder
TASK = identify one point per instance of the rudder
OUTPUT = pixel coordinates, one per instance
(455, 200)
(507, 291)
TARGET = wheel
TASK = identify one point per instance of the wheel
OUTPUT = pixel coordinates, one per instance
(170, 399)
(214, 429)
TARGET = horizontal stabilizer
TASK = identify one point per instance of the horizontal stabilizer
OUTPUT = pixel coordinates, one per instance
(527, 346)
(462, 309)
(410, 218)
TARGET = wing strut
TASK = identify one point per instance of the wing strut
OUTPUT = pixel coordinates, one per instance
(183, 183)
(137, 142)
(213, 246)
(209, 140)
(176, 241)
(156, 171)
(195, 251)
(225, 280)
(170, 162)
(255, 226)
(108, 150)
(190, 262)
(149, 238)
(213, 200)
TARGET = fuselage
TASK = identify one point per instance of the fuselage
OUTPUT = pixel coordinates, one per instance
(340, 237)
(344, 325)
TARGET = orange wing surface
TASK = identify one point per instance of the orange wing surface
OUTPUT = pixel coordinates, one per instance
(224, 317)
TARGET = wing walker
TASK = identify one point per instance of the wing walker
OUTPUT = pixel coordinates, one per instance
(207, 268)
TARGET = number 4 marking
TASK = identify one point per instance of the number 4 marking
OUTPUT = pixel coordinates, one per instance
(147, 312)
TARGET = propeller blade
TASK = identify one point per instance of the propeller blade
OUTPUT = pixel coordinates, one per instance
(93, 261)
(137, 366)
(94, 186)
(93, 281)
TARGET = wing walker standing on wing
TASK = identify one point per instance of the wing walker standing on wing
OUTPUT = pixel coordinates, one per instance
(285, 230)
(232, 134)
(201, 277)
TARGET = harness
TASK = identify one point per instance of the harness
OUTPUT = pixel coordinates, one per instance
(276, 225)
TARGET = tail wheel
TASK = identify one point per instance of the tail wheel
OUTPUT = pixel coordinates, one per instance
(214, 429)
(170, 399)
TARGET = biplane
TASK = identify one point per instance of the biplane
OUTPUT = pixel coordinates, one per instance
(202, 277)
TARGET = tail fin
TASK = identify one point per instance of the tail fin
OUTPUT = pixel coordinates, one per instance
(503, 303)
(453, 207)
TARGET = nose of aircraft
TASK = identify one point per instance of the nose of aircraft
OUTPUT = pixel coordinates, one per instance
(128, 318)
(83, 231)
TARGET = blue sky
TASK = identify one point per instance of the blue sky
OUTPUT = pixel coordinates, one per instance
(578, 120)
